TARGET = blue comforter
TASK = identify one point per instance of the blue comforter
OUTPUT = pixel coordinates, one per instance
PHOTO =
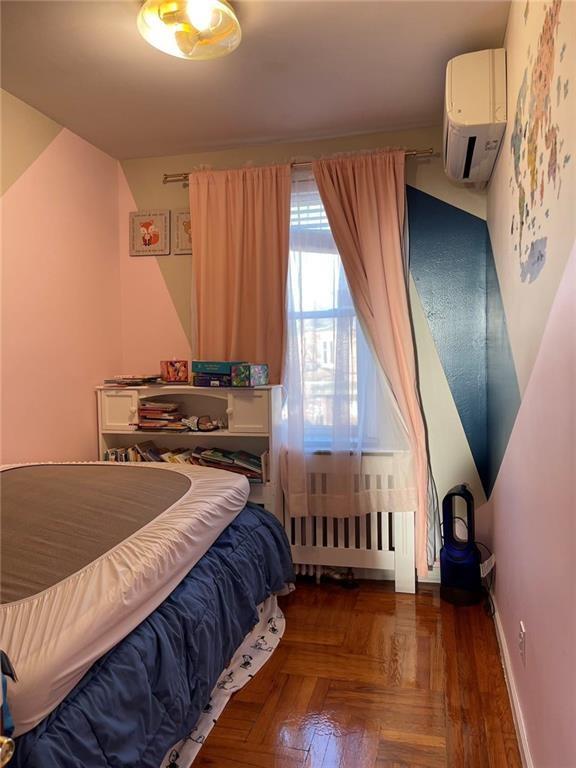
(148, 691)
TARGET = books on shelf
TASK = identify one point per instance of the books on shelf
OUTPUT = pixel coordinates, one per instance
(242, 462)
(218, 456)
(148, 451)
(131, 381)
(177, 456)
(123, 455)
(158, 416)
(255, 468)
(151, 425)
(247, 460)
(157, 405)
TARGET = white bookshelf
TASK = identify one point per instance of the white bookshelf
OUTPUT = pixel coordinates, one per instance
(253, 417)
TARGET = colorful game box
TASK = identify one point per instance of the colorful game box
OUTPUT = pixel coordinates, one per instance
(174, 371)
(225, 374)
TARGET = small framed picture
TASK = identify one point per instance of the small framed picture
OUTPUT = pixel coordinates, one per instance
(182, 238)
(149, 233)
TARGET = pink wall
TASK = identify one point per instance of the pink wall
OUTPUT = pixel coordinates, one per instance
(60, 300)
(151, 329)
(76, 307)
(534, 537)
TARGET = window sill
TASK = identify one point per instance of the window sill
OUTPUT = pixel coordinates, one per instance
(328, 452)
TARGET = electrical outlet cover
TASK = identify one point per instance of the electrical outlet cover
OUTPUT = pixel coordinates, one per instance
(522, 642)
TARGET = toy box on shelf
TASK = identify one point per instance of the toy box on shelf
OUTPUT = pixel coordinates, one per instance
(229, 374)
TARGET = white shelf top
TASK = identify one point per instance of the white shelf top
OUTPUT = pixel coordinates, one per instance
(186, 387)
(212, 434)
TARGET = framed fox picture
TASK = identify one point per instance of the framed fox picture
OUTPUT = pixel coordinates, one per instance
(150, 233)
(181, 227)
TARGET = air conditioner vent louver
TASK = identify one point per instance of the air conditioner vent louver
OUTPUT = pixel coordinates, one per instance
(469, 155)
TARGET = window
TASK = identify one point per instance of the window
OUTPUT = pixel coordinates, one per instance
(345, 402)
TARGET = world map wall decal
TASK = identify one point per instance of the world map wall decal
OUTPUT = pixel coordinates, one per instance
(537, 144)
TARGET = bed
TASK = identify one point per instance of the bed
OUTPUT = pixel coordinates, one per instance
(126, 594)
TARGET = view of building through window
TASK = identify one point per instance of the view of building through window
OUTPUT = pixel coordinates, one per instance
(323, 316)
(324, 320)
(344, 400)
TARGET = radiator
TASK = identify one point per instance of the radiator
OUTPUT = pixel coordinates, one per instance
(378, 541)
(356, 542)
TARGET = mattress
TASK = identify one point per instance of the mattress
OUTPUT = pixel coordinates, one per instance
(120, 536)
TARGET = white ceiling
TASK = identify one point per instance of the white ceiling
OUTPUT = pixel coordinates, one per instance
(305, 69)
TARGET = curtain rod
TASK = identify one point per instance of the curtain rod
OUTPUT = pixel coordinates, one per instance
(172, 178)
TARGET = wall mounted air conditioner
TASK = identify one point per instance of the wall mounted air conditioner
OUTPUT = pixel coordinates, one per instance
(474, 114)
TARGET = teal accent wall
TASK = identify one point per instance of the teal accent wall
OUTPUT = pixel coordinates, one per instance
(448, 264)
(453, 268)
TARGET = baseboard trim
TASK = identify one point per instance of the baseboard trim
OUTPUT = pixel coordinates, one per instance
(433, 575)
(519, 723)
(374, 574)
(385, 574)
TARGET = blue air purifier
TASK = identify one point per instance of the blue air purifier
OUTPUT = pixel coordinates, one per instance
(461, 582)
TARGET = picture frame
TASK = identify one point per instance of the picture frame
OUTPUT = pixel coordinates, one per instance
(150, 233)
(182, 235)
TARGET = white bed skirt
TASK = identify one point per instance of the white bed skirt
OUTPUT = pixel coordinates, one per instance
(255, 650)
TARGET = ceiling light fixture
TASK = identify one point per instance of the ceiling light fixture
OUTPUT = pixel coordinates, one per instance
(190, 29)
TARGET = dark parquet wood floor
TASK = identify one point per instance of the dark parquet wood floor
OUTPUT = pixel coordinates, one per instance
(371, 679)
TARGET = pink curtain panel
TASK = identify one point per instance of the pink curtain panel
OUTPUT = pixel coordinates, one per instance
(240, 231)
(364, 198)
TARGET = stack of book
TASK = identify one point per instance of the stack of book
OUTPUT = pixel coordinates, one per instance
(241, 462)
(131, 381)
(177, 456)
(146, 451)
(160, 417)
(123, 454)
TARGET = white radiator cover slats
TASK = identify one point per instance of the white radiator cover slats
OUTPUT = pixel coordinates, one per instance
(378, 540)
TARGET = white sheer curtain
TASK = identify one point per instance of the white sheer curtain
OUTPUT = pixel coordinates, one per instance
(339, 414)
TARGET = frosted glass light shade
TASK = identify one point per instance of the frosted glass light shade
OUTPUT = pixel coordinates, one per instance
(190, 29)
